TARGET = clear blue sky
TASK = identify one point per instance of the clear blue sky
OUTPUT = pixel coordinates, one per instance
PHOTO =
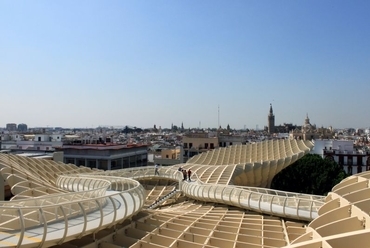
(140, 63)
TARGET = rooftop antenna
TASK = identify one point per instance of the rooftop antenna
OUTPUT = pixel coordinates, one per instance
(218, 124)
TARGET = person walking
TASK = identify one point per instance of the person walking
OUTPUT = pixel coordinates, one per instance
(189, 175)
(156, 172)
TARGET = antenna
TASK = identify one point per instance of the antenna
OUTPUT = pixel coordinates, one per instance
(218, 123)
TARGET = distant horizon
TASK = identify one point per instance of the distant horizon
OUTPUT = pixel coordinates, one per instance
(179, 126)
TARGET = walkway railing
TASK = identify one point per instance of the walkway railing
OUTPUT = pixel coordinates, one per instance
(291, 205)
(62, 217)
(268, 201)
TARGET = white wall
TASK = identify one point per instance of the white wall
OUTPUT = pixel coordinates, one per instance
(44, 137)
(16, 137)
(341, 145)
(56, 137)
(320, 146)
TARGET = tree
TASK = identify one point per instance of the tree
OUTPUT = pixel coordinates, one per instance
(310, 175)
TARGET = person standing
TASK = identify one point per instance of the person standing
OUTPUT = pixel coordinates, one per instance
(184, 173)
(189, 175)
(156, 172)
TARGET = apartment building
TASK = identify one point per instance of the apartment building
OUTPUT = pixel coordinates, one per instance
(343, 152)
(106, 156)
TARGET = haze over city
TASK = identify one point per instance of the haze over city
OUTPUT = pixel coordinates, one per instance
(200, 63)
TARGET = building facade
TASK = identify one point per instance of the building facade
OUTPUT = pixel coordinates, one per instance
(22, 127)
(105, 156)
(343, 152)
(169, 156)
(11, 127)
(195, 143)
(30, 142)
(311, 132)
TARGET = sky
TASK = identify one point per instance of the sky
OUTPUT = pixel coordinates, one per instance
(200, 63)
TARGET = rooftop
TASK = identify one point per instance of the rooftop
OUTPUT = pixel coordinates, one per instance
(104, 146)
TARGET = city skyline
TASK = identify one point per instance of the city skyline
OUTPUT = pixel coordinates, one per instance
(172, 125)
(140, 63)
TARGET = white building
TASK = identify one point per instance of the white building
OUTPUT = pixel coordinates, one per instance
(343, 152)
(39, 142)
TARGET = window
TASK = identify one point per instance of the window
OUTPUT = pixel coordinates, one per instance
(190, 145)
(113, 164)
(92, 164)
(350, 170)
(185, 145)
(341, 159)
(167, 156)
(349, 161)
(359, 160)
(70, 161)
(39, 138)
(212, 146)
(206, 146)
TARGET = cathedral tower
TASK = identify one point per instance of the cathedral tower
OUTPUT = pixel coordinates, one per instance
(271, 121)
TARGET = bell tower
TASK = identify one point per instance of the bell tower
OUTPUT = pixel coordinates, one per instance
(271, 121)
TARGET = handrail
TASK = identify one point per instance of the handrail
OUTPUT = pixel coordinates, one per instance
(268, 200)
(256, 201)
(87, 202)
